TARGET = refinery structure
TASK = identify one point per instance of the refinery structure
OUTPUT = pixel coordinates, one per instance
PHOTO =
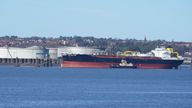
(34, 52)
(40, 56)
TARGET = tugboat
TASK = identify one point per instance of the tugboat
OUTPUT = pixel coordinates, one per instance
(124, 64)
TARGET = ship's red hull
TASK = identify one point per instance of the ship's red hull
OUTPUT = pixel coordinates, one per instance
(74, 64)
(154, 66)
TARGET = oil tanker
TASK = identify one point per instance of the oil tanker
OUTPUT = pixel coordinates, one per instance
(160, 58)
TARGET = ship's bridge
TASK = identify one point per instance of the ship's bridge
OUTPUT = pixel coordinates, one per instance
(161, 52)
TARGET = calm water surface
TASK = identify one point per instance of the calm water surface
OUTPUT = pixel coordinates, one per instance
(30, 87)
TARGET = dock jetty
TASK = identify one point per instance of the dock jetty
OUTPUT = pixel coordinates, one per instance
(28, 62)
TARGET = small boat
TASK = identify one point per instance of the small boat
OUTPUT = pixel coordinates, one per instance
(124, 64)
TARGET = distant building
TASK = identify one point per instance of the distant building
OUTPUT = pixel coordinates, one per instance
(187, 60)
(187, 44)
(145, 39)
(188, 54)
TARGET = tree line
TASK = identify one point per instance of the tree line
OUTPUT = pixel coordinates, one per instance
(111, 45)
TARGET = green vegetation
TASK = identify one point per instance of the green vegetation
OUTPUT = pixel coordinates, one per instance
(109, 44)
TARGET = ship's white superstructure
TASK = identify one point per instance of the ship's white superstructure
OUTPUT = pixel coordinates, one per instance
(164, 53)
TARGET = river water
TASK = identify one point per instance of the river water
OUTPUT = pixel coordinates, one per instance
(55, 87)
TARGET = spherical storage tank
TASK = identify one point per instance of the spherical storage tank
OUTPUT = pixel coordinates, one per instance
(33, 52)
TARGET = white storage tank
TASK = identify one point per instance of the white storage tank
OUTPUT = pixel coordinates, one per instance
(53, 53)
(79, 50)
(33, 52)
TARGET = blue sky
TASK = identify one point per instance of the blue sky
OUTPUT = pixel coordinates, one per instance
(155, 19)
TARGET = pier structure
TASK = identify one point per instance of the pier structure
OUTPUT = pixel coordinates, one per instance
(27, 62)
